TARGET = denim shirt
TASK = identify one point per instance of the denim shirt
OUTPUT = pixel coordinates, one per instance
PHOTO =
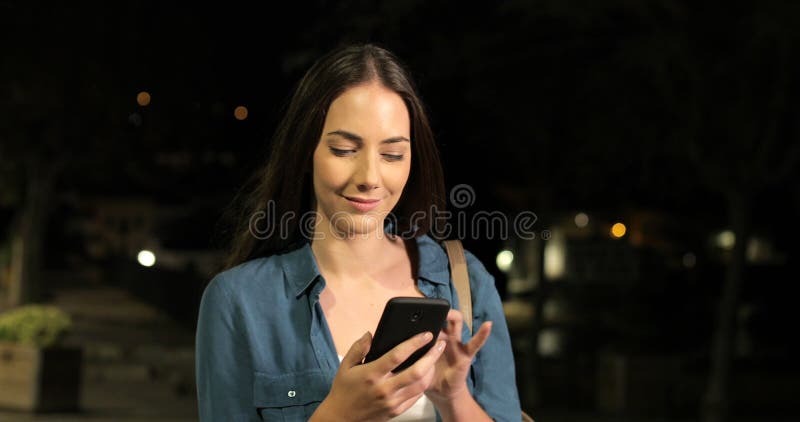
(264, 350)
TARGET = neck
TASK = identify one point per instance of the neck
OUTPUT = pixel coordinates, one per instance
(350, 257)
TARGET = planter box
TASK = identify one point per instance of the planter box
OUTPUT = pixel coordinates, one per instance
(39, 380)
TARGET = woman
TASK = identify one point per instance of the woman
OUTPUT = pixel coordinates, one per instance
(337, 225)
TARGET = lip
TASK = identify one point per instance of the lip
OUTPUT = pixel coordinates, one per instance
(363, 204)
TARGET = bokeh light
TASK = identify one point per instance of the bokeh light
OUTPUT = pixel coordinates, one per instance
(146, 258)
(504, 260)
(143, 98)
(240, 112)
(726, 240)
(581, 220)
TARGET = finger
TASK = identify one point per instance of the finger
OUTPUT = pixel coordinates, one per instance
(455, 323)
(420, 368)
(355, 355)
(412, 392)
(479, 339)
(393, 358)
(443, 336)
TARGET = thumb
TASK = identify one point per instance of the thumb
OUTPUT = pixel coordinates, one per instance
(357, 351)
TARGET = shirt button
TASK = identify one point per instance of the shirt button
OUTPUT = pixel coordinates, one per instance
(291, 393)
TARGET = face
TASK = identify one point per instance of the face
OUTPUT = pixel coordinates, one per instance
(363, 159)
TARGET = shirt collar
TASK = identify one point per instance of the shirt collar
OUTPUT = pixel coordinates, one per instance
(300, 265)
(300, 268)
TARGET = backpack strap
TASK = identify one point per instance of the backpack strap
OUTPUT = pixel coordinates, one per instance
(458, 271)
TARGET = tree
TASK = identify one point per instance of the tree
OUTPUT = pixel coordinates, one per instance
(725, 78)
(64, 121)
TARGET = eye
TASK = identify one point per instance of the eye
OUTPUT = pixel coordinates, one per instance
(341, 152)
(393, 157)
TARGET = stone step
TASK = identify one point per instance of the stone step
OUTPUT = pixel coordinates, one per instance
(117, 372)
(127, 341)
(112, 315)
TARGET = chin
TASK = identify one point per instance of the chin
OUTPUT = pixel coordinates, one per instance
(360, 225)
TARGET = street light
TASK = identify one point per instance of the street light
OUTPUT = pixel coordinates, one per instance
(504, 260)
(146, 258)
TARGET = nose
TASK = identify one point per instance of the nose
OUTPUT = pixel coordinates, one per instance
(367, 175)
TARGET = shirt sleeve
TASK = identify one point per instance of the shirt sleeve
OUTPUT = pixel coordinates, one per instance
(224, 380)
(494, 374)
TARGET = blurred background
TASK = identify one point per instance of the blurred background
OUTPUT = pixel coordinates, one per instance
(656, 142)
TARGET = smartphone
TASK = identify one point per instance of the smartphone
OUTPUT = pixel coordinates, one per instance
(403, 318)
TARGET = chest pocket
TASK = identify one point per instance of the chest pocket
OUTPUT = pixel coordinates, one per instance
(289, 397)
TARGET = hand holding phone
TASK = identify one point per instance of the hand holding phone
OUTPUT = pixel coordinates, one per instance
(404, 317)
(365, 392)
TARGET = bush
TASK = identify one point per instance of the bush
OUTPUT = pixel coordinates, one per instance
(37, 325)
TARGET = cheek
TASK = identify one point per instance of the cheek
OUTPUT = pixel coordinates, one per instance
(406, 171)
(399, 177)
(327, 175)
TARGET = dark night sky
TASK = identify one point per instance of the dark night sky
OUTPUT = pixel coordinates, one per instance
(559, 101)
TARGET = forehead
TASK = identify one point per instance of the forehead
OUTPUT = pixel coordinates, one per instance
(369, 109)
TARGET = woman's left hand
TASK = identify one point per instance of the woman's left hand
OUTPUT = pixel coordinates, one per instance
(453, 365)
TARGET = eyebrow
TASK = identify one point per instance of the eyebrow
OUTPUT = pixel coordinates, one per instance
(360, 141)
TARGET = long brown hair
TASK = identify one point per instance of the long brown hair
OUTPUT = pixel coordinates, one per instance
(284, 185)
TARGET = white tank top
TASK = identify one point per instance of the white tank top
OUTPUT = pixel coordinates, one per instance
(421, 411)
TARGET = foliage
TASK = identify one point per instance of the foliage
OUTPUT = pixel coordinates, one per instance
(37, 325)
